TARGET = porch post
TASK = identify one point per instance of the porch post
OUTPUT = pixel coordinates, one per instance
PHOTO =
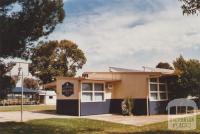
(79, 99)
(147, 105)
(148, 93)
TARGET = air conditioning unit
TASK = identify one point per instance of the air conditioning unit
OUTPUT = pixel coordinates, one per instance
(109, 86)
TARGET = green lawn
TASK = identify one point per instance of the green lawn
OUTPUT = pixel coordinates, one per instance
(27, 108)
(84, 126)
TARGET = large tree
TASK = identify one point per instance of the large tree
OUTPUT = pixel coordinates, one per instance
(56, 58)
(31, 83)
(24, 21)
(187, 81)
(190, 6)
(6, 82)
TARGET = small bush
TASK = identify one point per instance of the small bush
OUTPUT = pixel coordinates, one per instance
(127, 106)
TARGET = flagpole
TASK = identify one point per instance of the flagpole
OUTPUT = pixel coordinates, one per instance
(22, 91)
(22, 100)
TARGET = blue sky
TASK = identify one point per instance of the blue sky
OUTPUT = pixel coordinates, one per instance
(129, 33)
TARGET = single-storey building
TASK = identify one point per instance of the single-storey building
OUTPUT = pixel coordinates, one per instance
(14, 97)
(47, 97)
(103, 92)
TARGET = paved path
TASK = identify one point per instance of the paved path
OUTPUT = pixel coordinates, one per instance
(130, 120)
(16, 116)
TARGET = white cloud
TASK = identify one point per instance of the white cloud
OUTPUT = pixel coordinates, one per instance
(132, 39)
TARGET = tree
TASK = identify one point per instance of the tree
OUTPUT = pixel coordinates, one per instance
(56, 58)
(164, 65)
(34, 19)
(6, 82)
(190, 6)
(187, 81)
(31, 83)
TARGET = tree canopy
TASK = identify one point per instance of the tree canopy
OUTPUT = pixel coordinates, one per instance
(31, 83)
(164, 65)
(56, 58)
(24, 21)
(187, 81)
(6, 82)
(190, 6)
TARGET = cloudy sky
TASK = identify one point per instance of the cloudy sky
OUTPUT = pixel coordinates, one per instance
(129, 33)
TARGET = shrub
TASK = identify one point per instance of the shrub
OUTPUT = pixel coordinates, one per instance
(127, 106)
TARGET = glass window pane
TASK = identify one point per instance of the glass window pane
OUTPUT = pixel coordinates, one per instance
(162, 87)
(153, 87)
(87, 86)
(87, 97)
(99, 96)
(162, 80)
(163, 96)
(154, 96)
(98, 87)
(153, 79)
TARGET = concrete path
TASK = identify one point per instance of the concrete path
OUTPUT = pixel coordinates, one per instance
(130, 120)
(134, 120)
(16, 116)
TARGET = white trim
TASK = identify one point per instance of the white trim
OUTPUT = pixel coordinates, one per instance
(93, 91)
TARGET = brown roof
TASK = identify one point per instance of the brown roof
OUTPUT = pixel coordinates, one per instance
(49, 85)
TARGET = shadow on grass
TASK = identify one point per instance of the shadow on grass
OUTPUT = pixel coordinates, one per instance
(156, 132)
(82, 126)
(26, 128)
(53, 112)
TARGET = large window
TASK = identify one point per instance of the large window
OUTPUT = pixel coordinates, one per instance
(92, 92)
(158, 89)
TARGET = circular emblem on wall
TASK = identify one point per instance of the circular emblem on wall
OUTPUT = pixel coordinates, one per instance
(68, 89)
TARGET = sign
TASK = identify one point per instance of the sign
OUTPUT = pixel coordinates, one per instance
(68, 89)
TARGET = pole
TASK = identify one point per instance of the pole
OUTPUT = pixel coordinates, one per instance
(79, 99)
(148, 106)
(22, 94)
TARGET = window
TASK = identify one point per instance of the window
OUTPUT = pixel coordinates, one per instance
(87, 87)
(92, 92)
(50, 97)
(98, 92)
(98, 87)
(87, 96)
(157, 89)
(68, 89)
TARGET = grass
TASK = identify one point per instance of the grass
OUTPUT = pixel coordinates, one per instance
(27, 108)
(85, 126)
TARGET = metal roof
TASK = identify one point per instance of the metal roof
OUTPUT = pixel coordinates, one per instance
(18, 90)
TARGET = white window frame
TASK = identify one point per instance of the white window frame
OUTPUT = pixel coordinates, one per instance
(93, 92)
(158, 92)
